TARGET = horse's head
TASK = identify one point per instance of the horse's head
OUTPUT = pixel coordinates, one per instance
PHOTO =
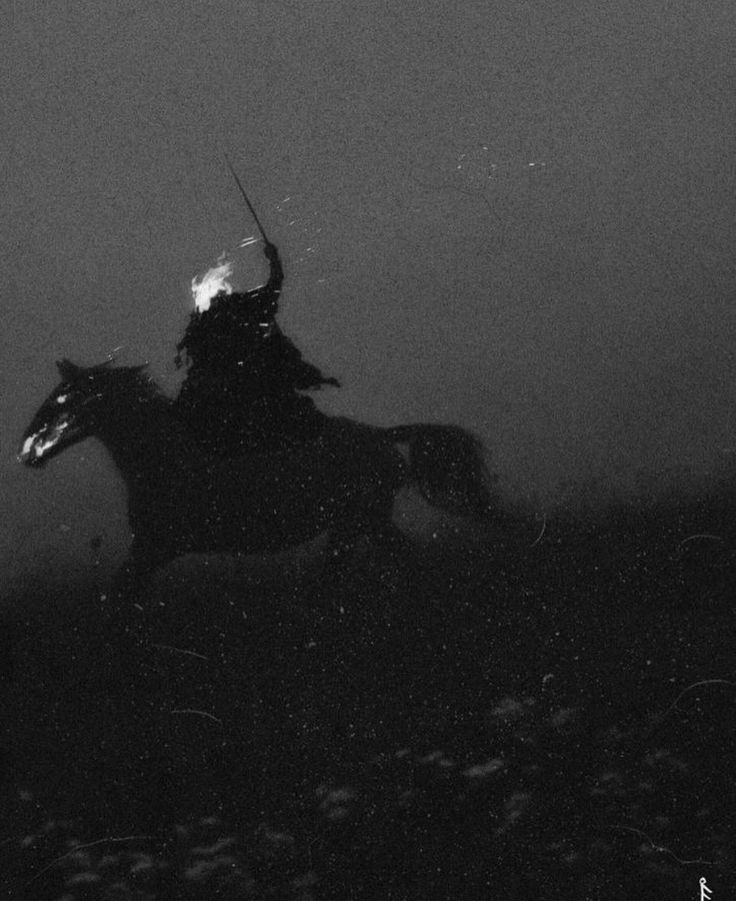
(75, 409)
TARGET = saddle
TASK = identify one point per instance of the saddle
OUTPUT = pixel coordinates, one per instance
(225, 423)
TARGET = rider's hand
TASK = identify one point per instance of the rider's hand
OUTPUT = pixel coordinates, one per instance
(271, 252)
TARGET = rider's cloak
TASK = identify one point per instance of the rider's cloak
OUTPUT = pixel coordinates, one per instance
(244, 374)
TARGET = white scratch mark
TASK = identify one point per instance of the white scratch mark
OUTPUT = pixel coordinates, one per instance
(199, 713)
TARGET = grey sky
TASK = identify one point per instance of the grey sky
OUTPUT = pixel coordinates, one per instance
(516, 216)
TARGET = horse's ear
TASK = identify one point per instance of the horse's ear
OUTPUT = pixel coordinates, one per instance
(67, 369)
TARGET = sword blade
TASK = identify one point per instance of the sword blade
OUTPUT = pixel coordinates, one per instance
(245, 198)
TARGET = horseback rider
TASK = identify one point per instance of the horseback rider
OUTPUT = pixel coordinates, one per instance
(242, 386)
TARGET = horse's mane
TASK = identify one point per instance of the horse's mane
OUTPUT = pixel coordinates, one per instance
(134, 382)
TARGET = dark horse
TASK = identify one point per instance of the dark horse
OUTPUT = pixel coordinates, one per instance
(183, 500)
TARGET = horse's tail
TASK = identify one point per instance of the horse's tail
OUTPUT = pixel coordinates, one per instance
(446, 464)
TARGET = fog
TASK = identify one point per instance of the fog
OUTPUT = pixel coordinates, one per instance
(514, 216)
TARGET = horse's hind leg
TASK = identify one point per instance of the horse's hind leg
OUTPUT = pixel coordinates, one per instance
(366, 552)
(370, 525)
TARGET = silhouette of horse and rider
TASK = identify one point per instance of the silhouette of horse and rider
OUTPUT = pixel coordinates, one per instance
(242, 461)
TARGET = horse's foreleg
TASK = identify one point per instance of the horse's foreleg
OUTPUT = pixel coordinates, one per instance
(129, 581)
(141, 563)
(121, 612)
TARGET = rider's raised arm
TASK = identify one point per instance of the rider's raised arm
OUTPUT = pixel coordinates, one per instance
(276, 277)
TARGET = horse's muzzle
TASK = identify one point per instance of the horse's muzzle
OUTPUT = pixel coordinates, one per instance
(29, 454)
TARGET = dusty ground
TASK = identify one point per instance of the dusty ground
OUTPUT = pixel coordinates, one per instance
(554, 721)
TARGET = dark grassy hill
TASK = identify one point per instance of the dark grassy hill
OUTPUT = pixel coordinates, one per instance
(546, 721)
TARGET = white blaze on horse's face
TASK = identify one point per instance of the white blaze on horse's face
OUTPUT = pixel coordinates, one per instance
(215, 281)
(37, 445)
(55, 426)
